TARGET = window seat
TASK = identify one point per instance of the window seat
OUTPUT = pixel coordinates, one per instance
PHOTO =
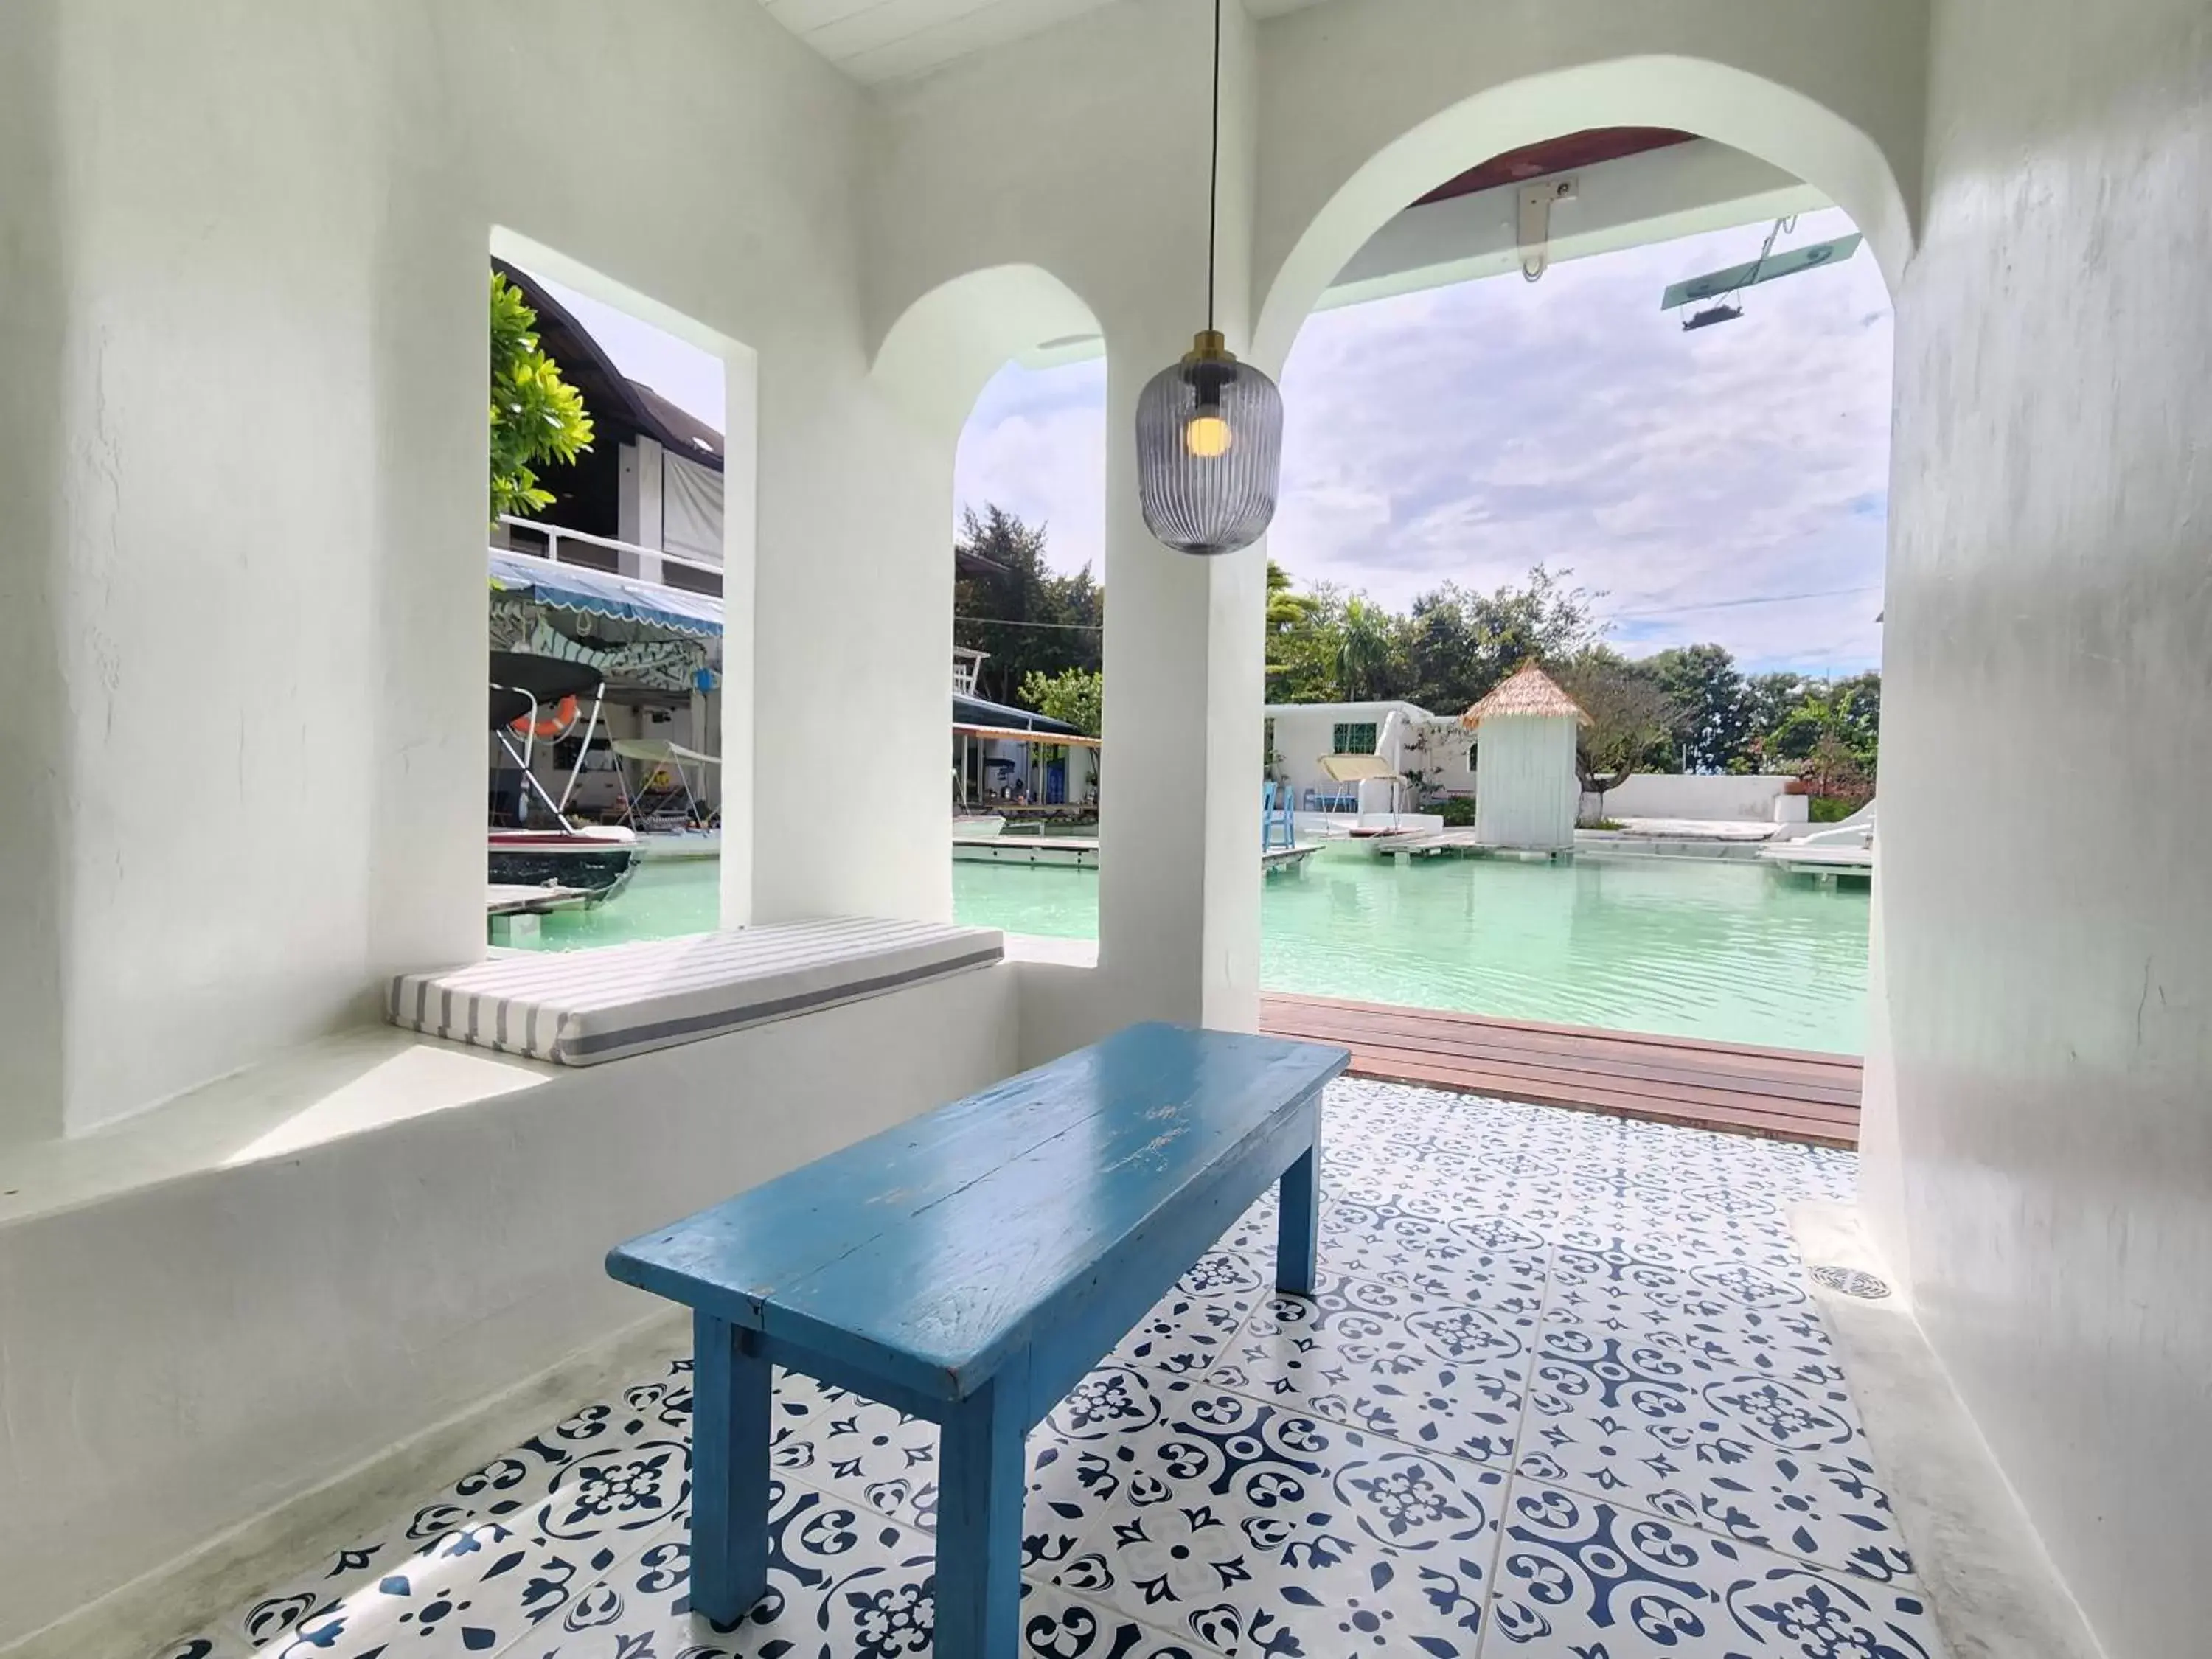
(580, 1008)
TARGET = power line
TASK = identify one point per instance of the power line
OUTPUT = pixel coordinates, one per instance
(1008, 621)
(1625, 615)
(1761, 598)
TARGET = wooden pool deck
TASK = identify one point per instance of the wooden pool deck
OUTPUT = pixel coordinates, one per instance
(1783, 1094)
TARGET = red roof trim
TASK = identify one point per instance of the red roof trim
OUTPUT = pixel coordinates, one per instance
(1574, 150)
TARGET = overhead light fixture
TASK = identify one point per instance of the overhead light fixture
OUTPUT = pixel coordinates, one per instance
(1209, 428)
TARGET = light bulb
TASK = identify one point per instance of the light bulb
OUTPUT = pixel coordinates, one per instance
(1206, 436)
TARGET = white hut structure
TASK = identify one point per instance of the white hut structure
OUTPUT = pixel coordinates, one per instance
(1526, 790)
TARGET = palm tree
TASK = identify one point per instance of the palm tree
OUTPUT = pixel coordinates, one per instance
(1364, 650)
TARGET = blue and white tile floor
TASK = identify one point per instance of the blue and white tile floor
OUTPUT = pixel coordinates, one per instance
(1563, 1393)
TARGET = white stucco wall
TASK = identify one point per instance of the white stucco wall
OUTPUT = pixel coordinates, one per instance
(1691, 795)
(1103, 194)
(2049, 1182)
(242, 444)
(212, 221)
(186, 1354)
(244, 371)
(1526, 791)
(1306, 732)
(1336, 117)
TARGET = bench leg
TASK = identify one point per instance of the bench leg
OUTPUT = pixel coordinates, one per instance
(1297, 1224)
(982, 1476)
(730, 1397)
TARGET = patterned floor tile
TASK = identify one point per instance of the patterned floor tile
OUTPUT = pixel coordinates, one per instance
(209, 1644)
(1447, 1376)
(1255, 1531)
(857, 1449)
(843, 1584)
(1579, 1576)
(475, 1591)
(286, 1605)
(1388, 1245)
(1605, 1323)
(1753, 1458)
(1788, 1343)
(481, 1586)
(511, 1485)
(1189, 1329)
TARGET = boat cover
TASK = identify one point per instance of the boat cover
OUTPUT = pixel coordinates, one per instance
(602, 593)
(661, 752)
(579, 1007)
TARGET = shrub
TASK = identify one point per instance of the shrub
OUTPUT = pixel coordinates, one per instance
(1457, 810)
(1833, 808)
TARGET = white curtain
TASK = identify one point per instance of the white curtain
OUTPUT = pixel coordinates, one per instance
(691, 509)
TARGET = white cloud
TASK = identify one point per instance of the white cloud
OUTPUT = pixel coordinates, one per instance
(1036, 445)
(1464, 433)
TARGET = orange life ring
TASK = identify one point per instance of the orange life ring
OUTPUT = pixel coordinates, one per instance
(563, 717)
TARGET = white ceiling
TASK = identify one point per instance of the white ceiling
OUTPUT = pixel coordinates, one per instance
(874, 40)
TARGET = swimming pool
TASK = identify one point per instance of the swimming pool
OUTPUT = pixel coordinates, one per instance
(1691, 947)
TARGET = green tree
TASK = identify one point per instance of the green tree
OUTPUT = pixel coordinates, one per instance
(1773, 699)
(1858, 714)
(1630, 719)
(1458, 644)
(536, 416)
(1008, 602)
(1834, 731)
(1835, 770)
(1074, 695)
(1712, 727)
(1366, 651)
(1304, 640)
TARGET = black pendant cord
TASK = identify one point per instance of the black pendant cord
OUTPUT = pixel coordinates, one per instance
(1213, 173)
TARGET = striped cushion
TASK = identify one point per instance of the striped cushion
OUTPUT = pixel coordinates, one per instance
(577, 1008)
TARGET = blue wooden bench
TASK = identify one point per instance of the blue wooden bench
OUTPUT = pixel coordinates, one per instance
(968, 1267)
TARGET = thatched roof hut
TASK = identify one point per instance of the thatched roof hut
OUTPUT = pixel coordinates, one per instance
(1526, 788)
(1527, 690)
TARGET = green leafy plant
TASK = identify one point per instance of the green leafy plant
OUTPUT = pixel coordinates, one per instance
(536, 416)
(1010, 603)
(1366, 647)
(1628, 711)
(1076, 696)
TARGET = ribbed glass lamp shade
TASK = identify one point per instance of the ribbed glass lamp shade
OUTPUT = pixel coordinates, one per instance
(1209, 452)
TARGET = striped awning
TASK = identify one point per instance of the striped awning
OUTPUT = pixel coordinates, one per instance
(602, 593)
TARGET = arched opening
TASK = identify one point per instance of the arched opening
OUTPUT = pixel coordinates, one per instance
(936, 359)
(1006, 368)
(1786, 156)
(1732, 106)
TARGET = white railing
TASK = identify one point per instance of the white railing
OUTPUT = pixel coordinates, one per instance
(642, 563)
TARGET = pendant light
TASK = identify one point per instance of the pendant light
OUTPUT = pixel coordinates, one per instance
(1209, 428)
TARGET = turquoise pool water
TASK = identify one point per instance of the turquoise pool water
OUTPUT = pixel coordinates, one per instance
(1690, 947)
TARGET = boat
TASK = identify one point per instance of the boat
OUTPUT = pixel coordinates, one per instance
(595, 859)
(536, 700)
(978, 823)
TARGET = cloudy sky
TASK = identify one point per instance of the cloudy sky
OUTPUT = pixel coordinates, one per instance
(1728, 485)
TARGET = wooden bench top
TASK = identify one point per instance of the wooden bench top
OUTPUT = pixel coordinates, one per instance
(927, 1253)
